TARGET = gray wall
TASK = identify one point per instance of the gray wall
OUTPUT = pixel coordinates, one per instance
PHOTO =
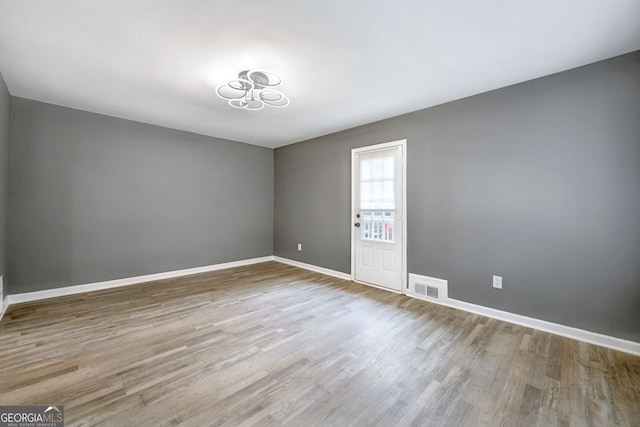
(5, 103)
(98, 198)
(537, 182)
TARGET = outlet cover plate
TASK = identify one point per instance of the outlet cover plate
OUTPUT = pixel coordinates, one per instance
(497, 282)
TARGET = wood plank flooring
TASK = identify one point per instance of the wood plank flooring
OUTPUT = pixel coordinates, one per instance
(271, 344)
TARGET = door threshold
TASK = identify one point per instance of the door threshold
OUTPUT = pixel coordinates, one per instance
(395, 291)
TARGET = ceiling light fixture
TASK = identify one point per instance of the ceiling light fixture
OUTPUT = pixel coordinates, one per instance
(252, 90)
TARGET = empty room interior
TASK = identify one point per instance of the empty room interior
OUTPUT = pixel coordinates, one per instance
(320, 213)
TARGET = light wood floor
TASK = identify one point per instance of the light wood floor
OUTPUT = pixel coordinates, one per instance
(271, 344)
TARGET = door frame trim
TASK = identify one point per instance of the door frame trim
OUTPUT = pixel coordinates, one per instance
(398, 143)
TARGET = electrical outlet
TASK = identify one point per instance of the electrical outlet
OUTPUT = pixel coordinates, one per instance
(299, 247)
(497, 282)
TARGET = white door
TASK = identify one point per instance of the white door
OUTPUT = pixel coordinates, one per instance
(378, 215)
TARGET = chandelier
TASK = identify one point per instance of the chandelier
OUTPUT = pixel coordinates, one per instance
(252, 90)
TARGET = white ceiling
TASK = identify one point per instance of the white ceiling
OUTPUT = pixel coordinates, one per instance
(344, 63)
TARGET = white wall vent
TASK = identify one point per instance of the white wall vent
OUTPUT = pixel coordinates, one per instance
(428, 288)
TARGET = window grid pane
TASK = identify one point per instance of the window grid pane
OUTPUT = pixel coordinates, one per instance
(377, 225)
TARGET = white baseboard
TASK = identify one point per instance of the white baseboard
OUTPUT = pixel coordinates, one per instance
(619, 344)
(5, 305)
(315, 268)
(78, 289)
(607, 341)
(543, 325)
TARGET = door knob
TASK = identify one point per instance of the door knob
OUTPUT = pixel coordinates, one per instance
(357, 224)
